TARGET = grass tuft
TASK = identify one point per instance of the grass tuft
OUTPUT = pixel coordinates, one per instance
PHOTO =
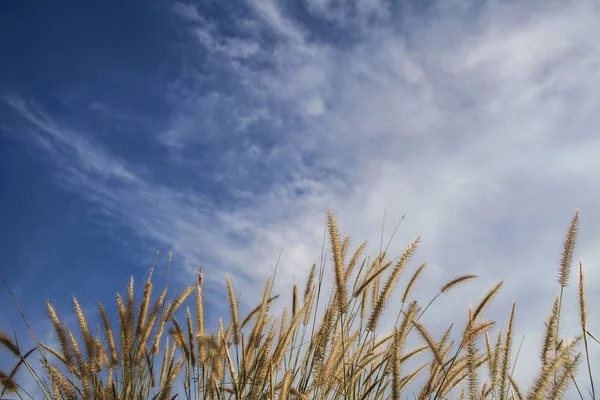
(321, 346)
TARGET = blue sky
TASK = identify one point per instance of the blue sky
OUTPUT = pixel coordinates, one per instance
(126, 124)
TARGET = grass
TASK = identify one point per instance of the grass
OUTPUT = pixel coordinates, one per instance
(320, 346)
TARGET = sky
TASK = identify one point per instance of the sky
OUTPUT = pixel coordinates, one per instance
(229, 128)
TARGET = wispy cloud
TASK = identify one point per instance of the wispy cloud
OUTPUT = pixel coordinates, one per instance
(480, 125)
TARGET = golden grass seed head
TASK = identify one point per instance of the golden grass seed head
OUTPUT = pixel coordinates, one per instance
(61, 334)
(354, 259)
(294, 299)
(390, 283)
(568, 251)
(457, 281)
(486, 300)
(411, 283)
(338, 262)
(233, 309)
(582, 301)
(7, 383)
(309, 281)
(9, 344)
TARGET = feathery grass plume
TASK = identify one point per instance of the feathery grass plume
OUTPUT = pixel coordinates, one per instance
(460, 378)
(582, 302)
(390, 283)
(550, 336)
(492, 357)
(131, 308)
(9, 344)
(335, 355)
(64, 386)
(262, 364)
(179, 338)
(149, 325)
(583, 322)
(429, 340)
(309, 282)
(338, 262)
(497, 360)
(363, 306)
(110, 339)
(165, 360)
(484, 390)
(199, 315)
(191, 336)
(396, 350)
(8, 383)
(321, 339)
(408, 378)
(243, 365)
(565, 263)
(101, 356)
(309, 306)
(285, 386)
(125, 330)
(282, 328)
(406, 323)
(481, 328)
(232, 372)
(81, 369)
(516, 388)
(345, 244)
(471, 363)
(412, 282)
(457, 281)
(486, 300)
(260, 319)
(504, 373)
(61, 334)
(366, 262)
(412, 353)
(144, 306)
(568, 251)
(294, 299)
(172, 373)
(354, 259)
(233, 309)
(437, 368)
(85, 332)
(170, 310)
(375, 286)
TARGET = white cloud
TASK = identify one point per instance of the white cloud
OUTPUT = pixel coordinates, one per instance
(314, 107)
(186, 11)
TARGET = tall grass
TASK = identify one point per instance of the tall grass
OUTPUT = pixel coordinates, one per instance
(320, 346)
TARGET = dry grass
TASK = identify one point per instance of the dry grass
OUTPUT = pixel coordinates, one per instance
(313, 349)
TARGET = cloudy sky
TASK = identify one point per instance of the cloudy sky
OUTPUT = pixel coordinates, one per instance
(125, 126)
